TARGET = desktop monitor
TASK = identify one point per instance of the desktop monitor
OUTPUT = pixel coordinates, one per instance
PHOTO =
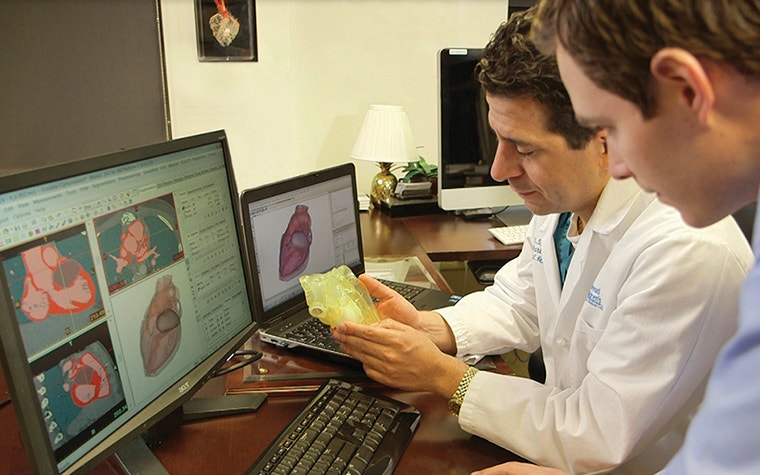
(123, 290)
(467, 143)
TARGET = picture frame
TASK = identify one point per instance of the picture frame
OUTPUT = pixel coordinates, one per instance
(226, 30)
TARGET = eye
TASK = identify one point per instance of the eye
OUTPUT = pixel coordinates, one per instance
(524, 153)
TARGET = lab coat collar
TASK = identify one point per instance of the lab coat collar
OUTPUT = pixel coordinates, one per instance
(616, 200)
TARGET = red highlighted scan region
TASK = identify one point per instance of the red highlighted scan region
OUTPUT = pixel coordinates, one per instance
(135, 245)
(54, 284)
(86, 379)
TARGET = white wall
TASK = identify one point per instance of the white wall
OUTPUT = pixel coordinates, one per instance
(321, 64)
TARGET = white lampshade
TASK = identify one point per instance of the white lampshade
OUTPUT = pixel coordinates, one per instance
(386, 136)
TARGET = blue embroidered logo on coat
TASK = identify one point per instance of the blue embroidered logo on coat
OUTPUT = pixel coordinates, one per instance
(594, 298)
(537, 255)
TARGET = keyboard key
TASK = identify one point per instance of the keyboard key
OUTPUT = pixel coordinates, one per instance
(408, 291)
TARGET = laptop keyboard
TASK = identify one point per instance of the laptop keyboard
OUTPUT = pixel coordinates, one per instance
(314, 333)
(342, 429)
(406, 290)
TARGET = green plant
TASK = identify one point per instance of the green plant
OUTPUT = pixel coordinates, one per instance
(420, 169)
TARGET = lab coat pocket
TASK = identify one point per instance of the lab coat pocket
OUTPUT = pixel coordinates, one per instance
(584, 341)
(587, 334)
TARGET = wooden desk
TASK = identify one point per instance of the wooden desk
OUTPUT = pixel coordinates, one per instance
(383, 236)
(435, 237)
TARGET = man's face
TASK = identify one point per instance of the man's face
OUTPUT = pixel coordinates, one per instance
(541, 168)
(669, 154)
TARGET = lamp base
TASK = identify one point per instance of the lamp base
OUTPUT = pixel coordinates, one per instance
(383, 185)
(396, 208)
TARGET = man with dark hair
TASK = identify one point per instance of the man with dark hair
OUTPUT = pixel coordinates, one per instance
(598, 287)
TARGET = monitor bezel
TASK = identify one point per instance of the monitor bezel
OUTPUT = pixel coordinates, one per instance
(456, 198)
(18, 372)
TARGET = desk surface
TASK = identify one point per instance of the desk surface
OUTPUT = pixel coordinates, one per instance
(437, 237)
(438, 446)
(231, 444)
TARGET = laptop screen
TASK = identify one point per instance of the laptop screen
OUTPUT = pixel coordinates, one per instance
(303, 225)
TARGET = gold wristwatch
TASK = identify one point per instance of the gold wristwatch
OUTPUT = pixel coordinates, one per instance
(455, 403)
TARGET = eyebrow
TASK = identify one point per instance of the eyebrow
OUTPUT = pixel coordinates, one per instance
(516, 141)
(508, 139)
(520, 143)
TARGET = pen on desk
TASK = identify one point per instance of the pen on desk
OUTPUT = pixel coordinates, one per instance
(5, 402)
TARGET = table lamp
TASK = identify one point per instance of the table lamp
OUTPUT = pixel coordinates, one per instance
(386, 138)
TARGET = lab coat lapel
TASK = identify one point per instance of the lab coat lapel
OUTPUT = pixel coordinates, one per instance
(589, 255)
(546, 274)
(551, 265)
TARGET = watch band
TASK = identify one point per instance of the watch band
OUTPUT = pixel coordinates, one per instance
(455, 403)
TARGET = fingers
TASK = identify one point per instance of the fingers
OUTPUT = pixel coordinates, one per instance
(355, 339)
(379, 333)
(390, 303)
(518, 468)
(376, 288)
(368, 342)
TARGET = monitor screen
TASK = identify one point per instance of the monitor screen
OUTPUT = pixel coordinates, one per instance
(123, 290)
(467, 143)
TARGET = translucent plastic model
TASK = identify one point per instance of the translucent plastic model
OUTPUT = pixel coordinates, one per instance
(338, 295)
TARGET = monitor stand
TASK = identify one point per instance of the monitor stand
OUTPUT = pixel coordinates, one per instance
(138, 458)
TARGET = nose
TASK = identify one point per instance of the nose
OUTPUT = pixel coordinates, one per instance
(618, 168)
(506, 163)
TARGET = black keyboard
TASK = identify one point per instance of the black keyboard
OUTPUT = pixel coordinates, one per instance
(342, 430)
(314, 333)
(408, 291)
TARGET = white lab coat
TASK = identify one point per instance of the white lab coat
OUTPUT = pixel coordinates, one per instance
(628, 344)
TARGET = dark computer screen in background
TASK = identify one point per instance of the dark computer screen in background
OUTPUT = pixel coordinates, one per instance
(122, 290)
(467, 143)
(515, 6)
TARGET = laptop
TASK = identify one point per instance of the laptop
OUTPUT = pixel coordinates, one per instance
(306, 225)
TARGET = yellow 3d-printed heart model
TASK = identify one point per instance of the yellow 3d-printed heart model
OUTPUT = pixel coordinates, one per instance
(338, 295)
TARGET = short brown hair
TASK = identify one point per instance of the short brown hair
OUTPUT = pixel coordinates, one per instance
(613, 41)
(512, 67)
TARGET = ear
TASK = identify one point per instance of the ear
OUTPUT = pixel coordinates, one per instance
(601, 136)
(680, 71)
(601, 139)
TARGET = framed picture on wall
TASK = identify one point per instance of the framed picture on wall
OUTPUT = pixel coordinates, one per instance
(226, 30)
